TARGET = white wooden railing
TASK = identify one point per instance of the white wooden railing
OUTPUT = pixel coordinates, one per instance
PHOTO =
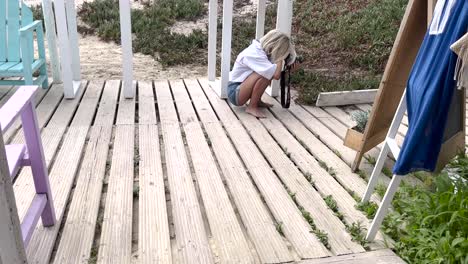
(65, 61)
(283, 23)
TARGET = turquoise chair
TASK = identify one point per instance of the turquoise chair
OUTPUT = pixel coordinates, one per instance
(17, 46)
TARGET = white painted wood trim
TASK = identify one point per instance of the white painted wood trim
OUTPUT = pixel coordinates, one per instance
(64, 48)
(73, 39)
(346, 97)
(51, 35)
(261, 11)
(212, 32)
(11, 242)
(226, 48)
(389, 146)
(284, 24)
(127, 52)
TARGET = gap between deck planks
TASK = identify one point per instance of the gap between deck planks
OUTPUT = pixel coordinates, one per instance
(191, 237)
(294, 226)
(299, 187)
(115, 245)
(226, 230)
(79, 228)
(260, 227)
(153, 236)
(182, 112)
(62, 174)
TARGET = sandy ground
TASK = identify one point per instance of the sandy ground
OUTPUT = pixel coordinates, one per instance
(103, 60)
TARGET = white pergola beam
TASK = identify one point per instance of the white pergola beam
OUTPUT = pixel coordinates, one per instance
(127, 52)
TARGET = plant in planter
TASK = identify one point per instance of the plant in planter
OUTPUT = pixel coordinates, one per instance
(360, 117)
(354, 135)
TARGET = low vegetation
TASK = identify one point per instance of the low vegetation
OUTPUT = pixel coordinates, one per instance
(345, 43)
(151, 28)
(430, 223)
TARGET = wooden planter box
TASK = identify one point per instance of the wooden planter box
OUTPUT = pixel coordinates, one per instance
(353, 139)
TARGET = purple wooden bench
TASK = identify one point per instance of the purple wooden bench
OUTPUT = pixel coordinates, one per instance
(21, 104)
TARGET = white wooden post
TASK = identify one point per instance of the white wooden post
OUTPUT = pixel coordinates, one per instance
(127, 52)
(261, 10)
(70, 84)
(73, 39)
(226, 48)
(284, 24)
(51, 34)
(212, 32)
(11, 241)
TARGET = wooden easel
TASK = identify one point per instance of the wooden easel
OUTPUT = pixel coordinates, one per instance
(393, 84)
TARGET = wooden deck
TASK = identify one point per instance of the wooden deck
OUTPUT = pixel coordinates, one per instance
(177, 175)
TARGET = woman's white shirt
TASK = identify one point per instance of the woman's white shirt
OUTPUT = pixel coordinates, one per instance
(252, 59)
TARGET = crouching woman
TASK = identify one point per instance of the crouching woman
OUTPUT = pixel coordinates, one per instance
(255, 67)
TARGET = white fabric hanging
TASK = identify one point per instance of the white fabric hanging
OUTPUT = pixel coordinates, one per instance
(461, 70)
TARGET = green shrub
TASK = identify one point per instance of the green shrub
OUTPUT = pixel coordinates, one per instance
(151, 27)
(431, 225)
(370, 32)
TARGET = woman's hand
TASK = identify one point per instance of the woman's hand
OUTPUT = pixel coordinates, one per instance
(295, 66)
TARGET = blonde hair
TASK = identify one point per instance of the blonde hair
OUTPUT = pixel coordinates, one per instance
(276, 45)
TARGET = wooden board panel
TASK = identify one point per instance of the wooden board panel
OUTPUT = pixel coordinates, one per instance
(78, 231)
(383, 256)
(191, 239)
(226, 230)
(115, 245)
(260, 227)
(296, 183)
(153, 235)
(346, 97)
(407, 43)
(63, 173)
(154, 243)
(295, 228)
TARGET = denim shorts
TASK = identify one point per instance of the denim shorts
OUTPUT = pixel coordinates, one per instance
(233, 92)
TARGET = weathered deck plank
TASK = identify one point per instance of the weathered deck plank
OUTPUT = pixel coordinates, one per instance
(191, 237)
(260, 227)
(115, 245)
(383, 256)
(153, 235)
(296, 183)
(51, 137)
(294, 226)
(325, 185)
(43, 112)
(319, 150)
(63, 173)
(79, 228)
(226, 230)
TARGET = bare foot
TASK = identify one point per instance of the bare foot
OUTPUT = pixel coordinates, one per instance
(255, 112)
(263, 104)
